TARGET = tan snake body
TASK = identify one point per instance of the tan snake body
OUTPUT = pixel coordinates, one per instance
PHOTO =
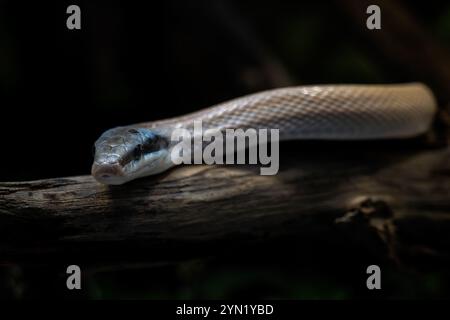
(326, 112)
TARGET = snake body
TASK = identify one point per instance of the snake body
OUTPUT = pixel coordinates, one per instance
(324, 112)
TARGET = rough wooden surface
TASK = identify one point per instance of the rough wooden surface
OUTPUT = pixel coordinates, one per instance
(389, 194)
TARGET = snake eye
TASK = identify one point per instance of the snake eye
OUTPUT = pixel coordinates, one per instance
(137, 152)
(154, 144)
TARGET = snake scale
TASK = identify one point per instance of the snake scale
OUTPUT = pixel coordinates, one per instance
(316, 112)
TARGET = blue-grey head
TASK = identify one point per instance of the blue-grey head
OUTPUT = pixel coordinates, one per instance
(126, 153)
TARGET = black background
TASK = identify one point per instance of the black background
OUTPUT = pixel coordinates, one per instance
(136, 61)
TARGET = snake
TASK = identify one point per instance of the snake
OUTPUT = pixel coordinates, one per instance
(311, 112)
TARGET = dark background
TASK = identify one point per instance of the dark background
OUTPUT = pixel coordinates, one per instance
(133, 62)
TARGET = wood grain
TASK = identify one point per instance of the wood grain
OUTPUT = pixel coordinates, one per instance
(394, 195)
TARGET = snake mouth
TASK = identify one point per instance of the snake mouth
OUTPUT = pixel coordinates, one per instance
(106, 171)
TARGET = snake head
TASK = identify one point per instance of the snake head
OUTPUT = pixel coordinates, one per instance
(125, 153)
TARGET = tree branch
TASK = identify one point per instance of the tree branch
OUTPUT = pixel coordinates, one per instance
(388, 195)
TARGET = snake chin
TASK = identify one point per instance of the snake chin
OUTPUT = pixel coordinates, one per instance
(148, 165)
